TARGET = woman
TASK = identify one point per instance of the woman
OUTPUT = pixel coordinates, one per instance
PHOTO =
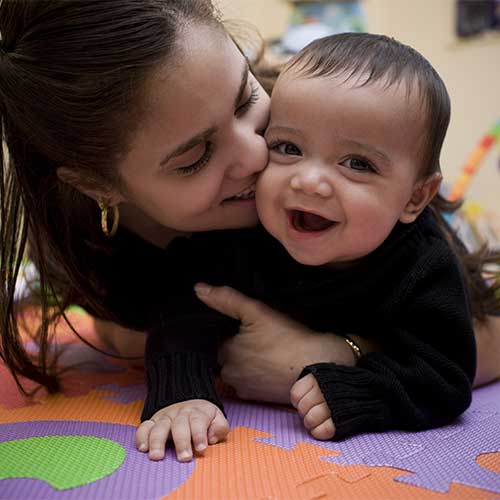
(144, 109)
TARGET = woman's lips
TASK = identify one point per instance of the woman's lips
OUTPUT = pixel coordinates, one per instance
(246, 194)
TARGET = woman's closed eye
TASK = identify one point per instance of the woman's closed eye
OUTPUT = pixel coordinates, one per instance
(208, 149)
(285, 148)
(199, 163)
(253, 98)
(358, 165)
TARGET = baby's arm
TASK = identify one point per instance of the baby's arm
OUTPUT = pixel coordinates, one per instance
(182, 401)
(191, 424)
(422, 378)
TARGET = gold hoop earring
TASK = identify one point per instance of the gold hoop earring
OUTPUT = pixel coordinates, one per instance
(104, 219)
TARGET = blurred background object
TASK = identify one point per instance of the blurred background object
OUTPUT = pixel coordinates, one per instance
(477, 16)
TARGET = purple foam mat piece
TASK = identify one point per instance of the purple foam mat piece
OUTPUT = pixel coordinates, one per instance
(436, 457)
(138, 478)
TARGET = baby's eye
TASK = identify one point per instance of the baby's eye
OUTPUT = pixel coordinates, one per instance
(285, 148)
(358, 164)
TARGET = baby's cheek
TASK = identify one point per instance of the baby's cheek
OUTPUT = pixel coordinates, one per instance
(263, 195)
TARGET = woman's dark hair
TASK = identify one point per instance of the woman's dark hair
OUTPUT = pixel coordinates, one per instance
(366, 58)
(72, 75)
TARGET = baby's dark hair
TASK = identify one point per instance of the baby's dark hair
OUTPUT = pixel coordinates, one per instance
(365, 59)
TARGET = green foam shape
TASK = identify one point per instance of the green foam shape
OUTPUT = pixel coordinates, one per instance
(62, 461)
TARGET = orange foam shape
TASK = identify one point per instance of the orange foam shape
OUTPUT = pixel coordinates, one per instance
(490, 461)
(245, 470)
(91, 407)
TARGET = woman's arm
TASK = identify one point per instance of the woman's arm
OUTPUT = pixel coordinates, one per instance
(259, 367)
(265, 359)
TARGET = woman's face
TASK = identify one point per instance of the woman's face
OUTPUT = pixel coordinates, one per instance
(195, 158)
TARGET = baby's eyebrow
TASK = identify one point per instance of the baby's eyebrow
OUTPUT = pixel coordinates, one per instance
(367, 147)
(284, 130)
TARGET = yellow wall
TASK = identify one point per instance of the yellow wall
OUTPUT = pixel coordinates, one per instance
(470, 69)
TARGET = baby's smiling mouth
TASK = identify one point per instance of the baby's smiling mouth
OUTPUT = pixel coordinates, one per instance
(307, 222)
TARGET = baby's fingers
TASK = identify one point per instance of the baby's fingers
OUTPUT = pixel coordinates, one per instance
(326, 430)
(219, 428)
(311, 399)
(316, 415)
(199, 423)
(142, 435)
(301, 388)
(181, 435)
(158, 437)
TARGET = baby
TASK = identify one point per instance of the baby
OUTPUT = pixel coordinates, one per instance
(350, 246)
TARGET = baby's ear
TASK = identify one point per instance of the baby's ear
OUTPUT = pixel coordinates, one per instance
(69, 176)
(422, 195)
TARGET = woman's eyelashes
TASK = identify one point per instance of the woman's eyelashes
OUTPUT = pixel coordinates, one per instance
(207, 153)
(198, 164)
(254, 97)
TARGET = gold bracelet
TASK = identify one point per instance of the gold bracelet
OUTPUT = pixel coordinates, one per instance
(354, 347)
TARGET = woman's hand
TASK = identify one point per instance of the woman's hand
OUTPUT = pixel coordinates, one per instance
(264, 360)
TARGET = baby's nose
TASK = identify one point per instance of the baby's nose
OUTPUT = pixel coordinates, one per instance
(312, 183)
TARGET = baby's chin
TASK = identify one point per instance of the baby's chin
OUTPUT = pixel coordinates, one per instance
(306, 258)
(310, 260)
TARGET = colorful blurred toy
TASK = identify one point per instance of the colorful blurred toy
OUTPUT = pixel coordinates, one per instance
(474, 162)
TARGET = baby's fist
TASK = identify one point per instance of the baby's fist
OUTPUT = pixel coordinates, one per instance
(306, 397)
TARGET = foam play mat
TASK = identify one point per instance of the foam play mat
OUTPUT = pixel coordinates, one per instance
(79, 444)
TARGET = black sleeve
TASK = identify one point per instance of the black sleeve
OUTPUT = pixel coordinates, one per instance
(182, 343)
(181, 361)
(423, 377)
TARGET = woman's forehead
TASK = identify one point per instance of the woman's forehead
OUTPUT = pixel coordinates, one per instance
(195, 95)
(208, 60)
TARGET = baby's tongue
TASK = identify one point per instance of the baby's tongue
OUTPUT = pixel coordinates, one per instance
(307, 221)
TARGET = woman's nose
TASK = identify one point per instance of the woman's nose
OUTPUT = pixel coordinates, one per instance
(312, 182)
(250, 155)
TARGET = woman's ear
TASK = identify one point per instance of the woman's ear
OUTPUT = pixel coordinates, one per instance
(69, 176)
(422, 195)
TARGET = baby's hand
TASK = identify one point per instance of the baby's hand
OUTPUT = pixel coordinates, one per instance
(306, 396)
(189, 423)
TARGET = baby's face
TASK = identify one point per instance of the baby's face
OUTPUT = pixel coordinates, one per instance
(344, 163)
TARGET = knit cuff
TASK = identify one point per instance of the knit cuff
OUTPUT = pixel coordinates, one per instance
(353, 398)
(176, 377)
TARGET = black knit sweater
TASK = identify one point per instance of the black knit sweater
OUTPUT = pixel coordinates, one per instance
(408, 295)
